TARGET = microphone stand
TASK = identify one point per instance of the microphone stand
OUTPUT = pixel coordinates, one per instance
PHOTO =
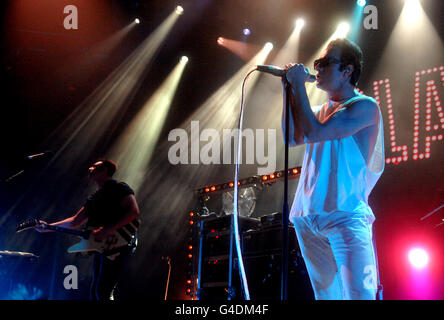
(285, 209)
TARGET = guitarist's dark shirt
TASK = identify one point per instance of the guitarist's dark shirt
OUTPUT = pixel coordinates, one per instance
(103, 207)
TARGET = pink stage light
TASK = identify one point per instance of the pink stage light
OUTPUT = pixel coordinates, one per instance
(418, 258)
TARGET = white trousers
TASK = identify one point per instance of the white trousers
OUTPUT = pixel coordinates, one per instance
(338, 252)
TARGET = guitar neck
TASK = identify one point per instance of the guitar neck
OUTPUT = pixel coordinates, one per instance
(66, 230)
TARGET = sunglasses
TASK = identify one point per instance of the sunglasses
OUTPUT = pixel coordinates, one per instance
(323, 62)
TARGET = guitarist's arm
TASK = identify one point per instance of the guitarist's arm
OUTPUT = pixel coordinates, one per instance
(131, 209)
(71, 223)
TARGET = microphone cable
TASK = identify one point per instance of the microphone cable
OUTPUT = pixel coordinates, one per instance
(235, 226)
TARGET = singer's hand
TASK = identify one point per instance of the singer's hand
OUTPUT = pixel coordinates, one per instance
(297, 74)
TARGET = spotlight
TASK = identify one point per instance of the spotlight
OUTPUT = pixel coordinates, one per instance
(412, 11)
(418, 258)
(361, 3)
(220, 41)
(137, 21)
(184, 59)
(246, 31)
(343, 29)
(179, 10)
(269, 46)
(300, 23)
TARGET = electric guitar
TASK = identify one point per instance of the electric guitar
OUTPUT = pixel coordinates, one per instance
(109, 246)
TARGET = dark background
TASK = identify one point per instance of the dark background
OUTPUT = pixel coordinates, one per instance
(48, 71)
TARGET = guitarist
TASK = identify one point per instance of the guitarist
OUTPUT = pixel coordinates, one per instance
(112, 206)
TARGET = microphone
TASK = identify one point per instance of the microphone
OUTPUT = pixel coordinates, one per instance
(279, 72)
(38, 155)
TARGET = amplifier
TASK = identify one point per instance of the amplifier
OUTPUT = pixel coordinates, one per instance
(267, 240)
(224, 222)
(264, 277)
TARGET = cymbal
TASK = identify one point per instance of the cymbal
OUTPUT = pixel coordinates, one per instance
(7, 253)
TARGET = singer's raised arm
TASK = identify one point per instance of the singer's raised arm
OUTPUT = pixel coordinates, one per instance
(295, 134)
(341, 124)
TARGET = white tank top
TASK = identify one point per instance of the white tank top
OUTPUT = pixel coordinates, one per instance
(335, 175)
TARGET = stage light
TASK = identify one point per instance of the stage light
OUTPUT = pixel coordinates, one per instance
(412, 11)
(342, 30)
(179, 10)
(361, 3)
(137, 21)
(300, 23)
(241, 48)
(418, 258)
(77, 137)
(184, 59)
(268, 46)
(135, 146)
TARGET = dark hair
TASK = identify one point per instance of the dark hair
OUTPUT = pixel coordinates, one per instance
(350, 54)
(111, 166)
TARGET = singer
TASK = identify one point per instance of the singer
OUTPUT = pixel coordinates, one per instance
(344, 158)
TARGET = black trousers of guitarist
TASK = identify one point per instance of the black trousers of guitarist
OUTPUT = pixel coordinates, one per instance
(107, 273)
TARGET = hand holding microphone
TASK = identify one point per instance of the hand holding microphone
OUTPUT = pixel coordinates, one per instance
(298, 74)
(295, 73)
